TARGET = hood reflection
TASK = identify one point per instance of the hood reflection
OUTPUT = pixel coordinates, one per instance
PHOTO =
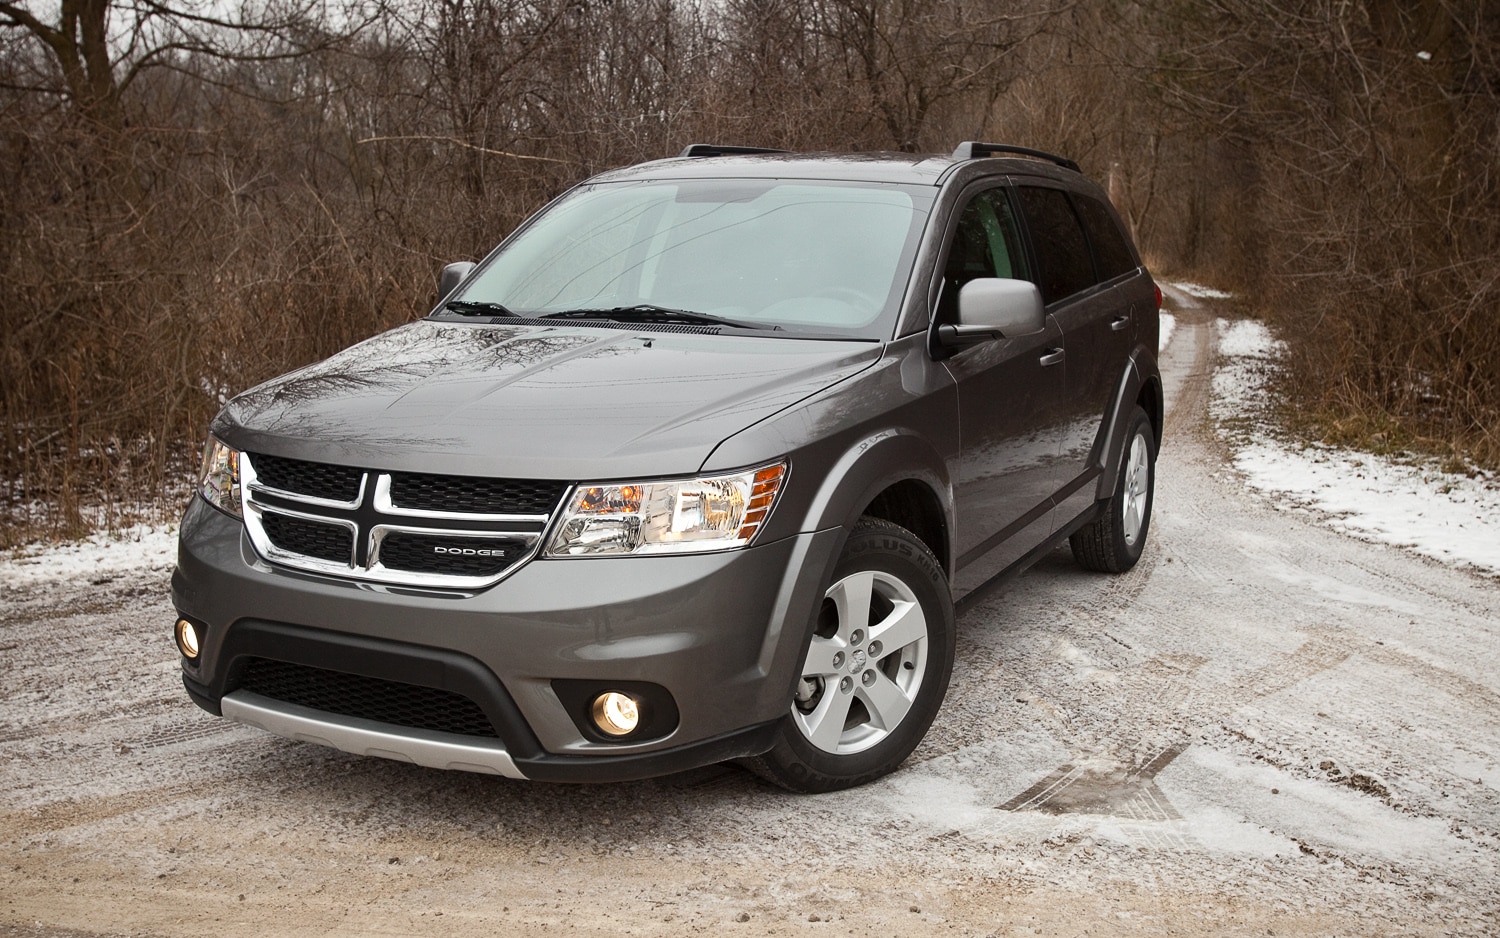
(546, 402)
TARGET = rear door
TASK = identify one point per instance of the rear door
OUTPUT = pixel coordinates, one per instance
(1095, 325)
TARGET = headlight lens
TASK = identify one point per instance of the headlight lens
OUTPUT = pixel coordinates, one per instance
(667, 517)
(219, 480)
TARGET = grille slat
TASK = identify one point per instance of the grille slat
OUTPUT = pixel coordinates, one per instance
(319, 480)
(473, 495)
(368, 698)
(310, 538)
(417, 553)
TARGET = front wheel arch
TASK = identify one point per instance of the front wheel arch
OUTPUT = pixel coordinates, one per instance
(859, 710)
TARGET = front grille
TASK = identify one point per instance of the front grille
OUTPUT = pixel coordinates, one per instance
(368, 698)
(319, 480)
(310, 538)
(407, 528)
(425, 492)
(443, 554)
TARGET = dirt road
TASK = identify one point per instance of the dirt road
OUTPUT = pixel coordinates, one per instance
(1266, 728)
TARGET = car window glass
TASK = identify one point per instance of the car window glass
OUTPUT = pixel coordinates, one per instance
(1111, 251)
(985, 244)
(1062, 253)
(823, 257)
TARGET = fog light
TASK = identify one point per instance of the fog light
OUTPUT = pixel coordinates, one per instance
(616, 713)
(187, 638)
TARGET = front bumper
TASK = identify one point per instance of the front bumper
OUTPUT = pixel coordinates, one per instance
(722, 633)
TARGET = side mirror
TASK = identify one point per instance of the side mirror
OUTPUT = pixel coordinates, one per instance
(991, 308)
(451, 277)
(1014, 307)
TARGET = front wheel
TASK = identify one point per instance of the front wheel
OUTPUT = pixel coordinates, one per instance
(875, 670)
(1113, 542)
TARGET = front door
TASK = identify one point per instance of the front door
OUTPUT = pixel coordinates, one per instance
(1007, 468)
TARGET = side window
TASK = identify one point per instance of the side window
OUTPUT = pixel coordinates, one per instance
(986, 244)
(1111, 251)
(1062, 253)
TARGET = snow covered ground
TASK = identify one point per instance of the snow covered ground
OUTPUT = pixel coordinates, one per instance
(1405, 502)
(102, 555)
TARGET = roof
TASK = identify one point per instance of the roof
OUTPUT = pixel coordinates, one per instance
(879, 167)
(854, 167)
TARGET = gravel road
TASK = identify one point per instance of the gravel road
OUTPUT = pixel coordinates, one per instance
(1266, 728)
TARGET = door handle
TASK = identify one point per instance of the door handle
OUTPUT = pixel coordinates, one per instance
(1119, 323)
(1051, 357)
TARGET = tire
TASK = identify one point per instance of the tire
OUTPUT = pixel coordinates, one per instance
(876, 668)
(1113, 542)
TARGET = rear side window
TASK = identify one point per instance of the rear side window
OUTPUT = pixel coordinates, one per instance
(1062, 253)
(1111, 250)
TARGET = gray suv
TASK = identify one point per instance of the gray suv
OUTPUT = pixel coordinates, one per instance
(691, 468)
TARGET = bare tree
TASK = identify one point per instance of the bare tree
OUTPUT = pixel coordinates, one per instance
(912, 57)
(98, 48)
(1365, 133)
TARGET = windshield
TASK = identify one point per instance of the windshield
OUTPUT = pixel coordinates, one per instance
(800, 256)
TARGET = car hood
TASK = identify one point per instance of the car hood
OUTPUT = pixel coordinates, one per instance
(566, 402)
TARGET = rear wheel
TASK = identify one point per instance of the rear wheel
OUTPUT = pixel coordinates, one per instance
(875, 670)
(1113, 542)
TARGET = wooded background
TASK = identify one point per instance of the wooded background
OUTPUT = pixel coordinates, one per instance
(195, 196)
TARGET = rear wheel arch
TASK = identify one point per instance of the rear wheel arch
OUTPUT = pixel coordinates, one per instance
(1150, 400)
(1114, 540)
(1139, 386)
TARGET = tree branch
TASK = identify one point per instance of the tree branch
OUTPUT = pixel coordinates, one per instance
(464, 143)
(20, 16)
(173, 13)
(202, 47)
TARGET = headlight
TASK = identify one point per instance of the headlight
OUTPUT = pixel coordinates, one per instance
(219, 480)
(667, 517)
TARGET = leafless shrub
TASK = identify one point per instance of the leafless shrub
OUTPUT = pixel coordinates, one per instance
(1369, 138)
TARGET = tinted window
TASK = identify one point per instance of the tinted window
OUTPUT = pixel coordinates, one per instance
(986, 244)
(1062, 253)
(1111, 250)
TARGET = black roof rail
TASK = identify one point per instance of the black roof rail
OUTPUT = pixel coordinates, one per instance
(973, 150)
(713, 149)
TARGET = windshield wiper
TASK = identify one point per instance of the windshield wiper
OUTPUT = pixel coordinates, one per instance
(647, 313)
(474, 308)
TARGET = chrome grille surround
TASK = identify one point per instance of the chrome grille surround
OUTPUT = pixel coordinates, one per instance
(371, 517)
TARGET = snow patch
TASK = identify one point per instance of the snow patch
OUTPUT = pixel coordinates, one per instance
(1168, 326)
(1406, 502)
(1249, 338)
(1278, 806)
(100, 555)
(1201, 292)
